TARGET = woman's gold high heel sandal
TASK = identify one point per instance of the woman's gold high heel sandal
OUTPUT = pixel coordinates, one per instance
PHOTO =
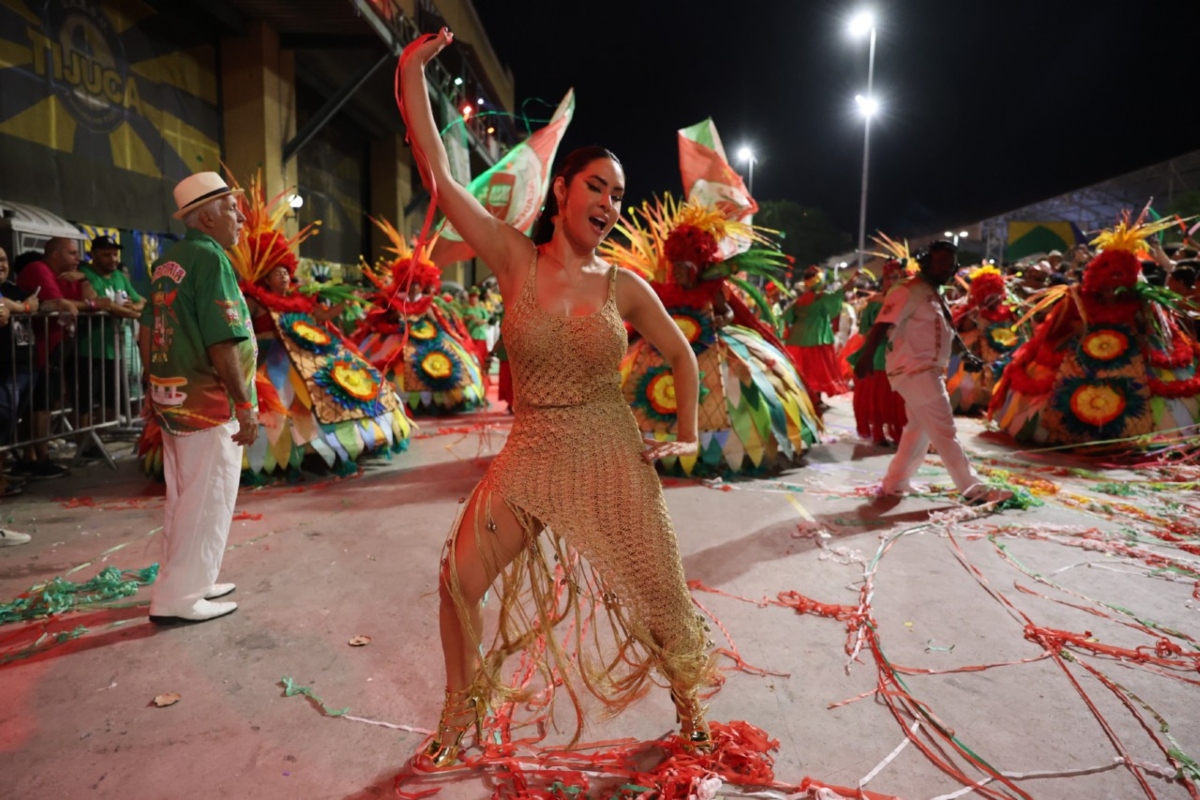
(692, 726)
(446, 744)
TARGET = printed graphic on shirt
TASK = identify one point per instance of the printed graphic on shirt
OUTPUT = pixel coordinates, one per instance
(163, 333)
(168, 391)
(230, 307)
(169, 269)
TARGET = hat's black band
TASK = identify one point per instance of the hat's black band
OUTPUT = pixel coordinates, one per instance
(207, 195)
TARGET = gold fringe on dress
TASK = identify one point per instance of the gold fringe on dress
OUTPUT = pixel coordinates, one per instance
(608, 564)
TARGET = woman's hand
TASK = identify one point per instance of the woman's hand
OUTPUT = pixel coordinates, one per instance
(427, 51)
(656, 450)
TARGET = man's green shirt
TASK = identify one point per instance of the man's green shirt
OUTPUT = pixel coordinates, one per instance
(107, 286)
(194, 303)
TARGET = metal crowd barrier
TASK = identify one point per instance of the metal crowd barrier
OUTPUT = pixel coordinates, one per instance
(54, 386)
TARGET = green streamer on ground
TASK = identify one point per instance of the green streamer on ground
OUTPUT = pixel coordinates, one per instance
(1189, 768)
(60, 595)
(290, 689)
(1021, 499)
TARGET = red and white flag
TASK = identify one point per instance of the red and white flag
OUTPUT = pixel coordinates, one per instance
(515, 188)
(706, 173)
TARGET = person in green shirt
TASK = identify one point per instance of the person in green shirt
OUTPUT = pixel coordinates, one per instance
(810, 339)
(476, 316)
(103, 383)
(199, 349)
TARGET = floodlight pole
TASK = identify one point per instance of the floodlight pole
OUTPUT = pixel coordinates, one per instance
(862, 208)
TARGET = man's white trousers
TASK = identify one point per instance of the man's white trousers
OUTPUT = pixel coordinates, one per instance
(930, 421)
(202, 472)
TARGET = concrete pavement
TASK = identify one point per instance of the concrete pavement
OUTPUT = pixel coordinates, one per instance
(332, 559)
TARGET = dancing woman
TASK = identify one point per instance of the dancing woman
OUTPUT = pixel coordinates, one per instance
(574, 468)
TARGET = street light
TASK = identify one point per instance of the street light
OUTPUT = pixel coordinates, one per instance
(956, 236)
(747, 155)
(864, 23)
(868, 106)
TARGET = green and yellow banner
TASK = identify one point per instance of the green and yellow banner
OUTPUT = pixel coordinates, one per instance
(104, 106)
(1038, 238)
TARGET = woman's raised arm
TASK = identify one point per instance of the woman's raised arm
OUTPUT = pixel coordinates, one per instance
(495, 241)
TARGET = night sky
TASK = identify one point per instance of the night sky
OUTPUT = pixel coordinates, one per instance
(987, 106)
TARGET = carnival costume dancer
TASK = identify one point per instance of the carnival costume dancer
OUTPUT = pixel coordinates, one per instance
(412, 339)
(811, 338)
(986, 322)
(1109, 362)
(477, 319)
(755, 412)
(574, 490)
(878, 409)
(321, 394)
(916, 324)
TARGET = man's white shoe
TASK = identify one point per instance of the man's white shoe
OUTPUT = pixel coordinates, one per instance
(219, 590)
(201, 611)
(12, 538)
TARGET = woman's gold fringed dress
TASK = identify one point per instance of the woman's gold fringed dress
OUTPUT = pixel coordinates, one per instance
(599, 601)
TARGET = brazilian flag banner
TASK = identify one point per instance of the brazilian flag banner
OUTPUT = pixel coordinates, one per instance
(1034, 238)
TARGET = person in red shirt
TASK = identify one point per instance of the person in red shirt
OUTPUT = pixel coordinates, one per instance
(60, 287)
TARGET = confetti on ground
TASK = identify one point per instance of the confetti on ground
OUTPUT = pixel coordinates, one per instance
(168, 699)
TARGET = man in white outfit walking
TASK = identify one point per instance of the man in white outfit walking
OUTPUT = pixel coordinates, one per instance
(916, 324)
(199, 350)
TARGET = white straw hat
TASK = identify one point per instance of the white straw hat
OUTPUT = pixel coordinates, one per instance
(196, 190)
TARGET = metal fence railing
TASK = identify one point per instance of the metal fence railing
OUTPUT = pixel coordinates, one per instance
(66, 377)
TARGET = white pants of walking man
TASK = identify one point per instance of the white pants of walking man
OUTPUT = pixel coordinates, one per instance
(930, 420)
(202, 472)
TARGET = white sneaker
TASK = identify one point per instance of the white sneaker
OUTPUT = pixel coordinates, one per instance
(201, 611)
(219, 590)
(13, 538)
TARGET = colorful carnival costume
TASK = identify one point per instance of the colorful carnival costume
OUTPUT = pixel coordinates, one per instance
(1110, 361)
(878, 408)
(609, 563)
(986, 322)
(810, 340)
(414, 342)
(316, 392)
(477, 318)
(755, 411)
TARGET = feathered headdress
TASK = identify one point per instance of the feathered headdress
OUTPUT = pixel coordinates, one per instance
(985, 282)
(1118, 264)
(898, 262)
(263, 245)
(665, 232)
(393, 278)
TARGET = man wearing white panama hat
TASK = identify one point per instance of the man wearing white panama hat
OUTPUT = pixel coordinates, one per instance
(199, 350)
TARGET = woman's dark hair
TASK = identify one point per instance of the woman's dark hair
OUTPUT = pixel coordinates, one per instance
(572, 165)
